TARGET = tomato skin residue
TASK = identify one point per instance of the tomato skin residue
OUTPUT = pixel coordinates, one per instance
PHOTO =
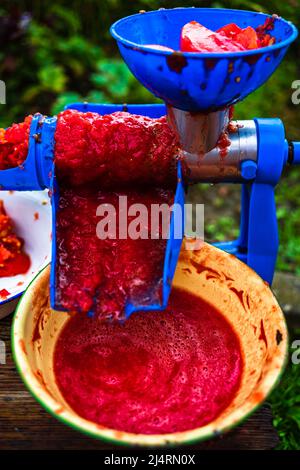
(13, 259)
(223, 144)
(159, 372)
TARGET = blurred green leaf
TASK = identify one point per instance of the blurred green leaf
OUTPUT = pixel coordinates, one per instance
(53, 78)
(64, 99)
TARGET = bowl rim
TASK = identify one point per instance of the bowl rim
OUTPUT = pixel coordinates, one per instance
(204, 55)
(14, 297)
(141, 440)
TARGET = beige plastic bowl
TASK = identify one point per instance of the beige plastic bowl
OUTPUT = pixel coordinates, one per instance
(217, 277)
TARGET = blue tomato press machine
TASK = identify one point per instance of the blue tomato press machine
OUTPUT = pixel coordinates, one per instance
(198, 90)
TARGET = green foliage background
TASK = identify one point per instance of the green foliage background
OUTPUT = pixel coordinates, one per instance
(54, 52)
(58, 52)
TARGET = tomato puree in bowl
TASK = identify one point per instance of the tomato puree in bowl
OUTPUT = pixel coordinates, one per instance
(159, 372)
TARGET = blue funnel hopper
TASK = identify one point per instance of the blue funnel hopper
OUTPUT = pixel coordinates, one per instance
(200, 82)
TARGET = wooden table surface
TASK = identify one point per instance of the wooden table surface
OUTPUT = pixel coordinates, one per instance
(24, 424)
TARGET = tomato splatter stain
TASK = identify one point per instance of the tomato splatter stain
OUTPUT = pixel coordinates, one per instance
(223, 144)
(4, 293)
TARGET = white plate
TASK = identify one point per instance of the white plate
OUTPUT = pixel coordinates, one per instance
(31, 215)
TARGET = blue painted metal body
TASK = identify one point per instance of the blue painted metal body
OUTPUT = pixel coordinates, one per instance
(198, 81)
(258, 241)
(296, 149)
(150, 110)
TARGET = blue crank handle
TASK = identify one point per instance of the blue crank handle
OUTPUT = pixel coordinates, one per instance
(294, 153)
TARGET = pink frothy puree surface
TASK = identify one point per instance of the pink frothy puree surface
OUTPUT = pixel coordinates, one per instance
(159, 372)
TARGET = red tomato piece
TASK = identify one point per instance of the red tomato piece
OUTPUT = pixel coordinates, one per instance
(267, 40)
(197, 38)
(247, 37)
(230, 30)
